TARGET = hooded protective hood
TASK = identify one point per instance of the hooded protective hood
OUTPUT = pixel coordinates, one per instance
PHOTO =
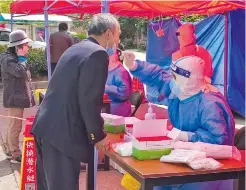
(188, 47)
(190, 77)
(186, 34)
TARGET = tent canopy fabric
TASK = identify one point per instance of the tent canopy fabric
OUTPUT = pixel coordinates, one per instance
(132, 8)
(54, 7)
(152, 9)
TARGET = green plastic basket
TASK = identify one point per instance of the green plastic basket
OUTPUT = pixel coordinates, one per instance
(150, 154)
(114, 129)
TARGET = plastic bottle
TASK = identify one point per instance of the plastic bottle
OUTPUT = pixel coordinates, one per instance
(150, 115)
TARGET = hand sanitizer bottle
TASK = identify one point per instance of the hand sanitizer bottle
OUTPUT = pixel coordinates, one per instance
(150, 115)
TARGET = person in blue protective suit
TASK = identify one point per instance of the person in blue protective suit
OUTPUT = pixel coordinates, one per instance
(119, 85)
(197, 110)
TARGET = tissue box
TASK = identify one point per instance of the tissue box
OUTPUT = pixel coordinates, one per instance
(113, 123)
(150, 148)
(150, 128)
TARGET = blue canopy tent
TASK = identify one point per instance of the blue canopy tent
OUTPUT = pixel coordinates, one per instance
(212, 34)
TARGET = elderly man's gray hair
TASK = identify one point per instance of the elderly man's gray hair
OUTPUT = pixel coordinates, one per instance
(101, 23)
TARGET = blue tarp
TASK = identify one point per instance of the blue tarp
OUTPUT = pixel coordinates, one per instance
(236, 75)
(210, 35)
(159, 50)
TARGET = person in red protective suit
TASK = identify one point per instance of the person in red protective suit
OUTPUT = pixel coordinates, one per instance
(187, 40)
(188, 47)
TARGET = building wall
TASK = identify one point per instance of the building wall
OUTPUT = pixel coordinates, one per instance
(26, 28)
(35, 32)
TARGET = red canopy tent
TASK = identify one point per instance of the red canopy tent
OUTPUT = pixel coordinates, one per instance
(126, 8)
(60, 7)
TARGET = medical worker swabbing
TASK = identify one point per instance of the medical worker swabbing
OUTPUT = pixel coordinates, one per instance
(118, 85)
(187, 47)
(197, 110)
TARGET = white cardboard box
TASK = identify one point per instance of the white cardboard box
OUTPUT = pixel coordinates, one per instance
(110, 119)
(151, 144)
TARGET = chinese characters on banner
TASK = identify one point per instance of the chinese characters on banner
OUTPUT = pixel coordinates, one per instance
(28, 165)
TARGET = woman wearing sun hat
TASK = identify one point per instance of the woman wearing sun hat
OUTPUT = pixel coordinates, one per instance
(17, 91)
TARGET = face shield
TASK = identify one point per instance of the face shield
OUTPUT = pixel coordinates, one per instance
(188, 76)
(180, 79)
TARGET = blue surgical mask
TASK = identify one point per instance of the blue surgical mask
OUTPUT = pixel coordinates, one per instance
(111, 51)
(175, 88)
(22, 59)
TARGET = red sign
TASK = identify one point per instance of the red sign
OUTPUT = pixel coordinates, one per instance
(2, 25)
(137, 85)
(105, 97)
(160, 33)
(28, 165)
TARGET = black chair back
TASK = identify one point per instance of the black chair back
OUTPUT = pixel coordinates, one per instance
(136, 99)
(239, 139)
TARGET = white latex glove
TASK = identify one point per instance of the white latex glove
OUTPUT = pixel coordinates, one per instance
(129, 60)
(178, 135)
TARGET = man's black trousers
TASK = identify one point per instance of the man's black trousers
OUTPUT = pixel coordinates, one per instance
(55, 171)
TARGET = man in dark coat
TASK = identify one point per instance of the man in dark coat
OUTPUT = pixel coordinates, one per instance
(59, 42)
(68, 123)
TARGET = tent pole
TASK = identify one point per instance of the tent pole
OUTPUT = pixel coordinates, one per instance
(104, 7)
(11, 22)
(226, 42)
(47, 37)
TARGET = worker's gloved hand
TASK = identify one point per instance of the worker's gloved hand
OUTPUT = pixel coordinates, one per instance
(178, 135)
(103, 145)
(129, 60)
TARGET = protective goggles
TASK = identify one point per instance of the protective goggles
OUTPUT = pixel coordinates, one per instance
(180, 71)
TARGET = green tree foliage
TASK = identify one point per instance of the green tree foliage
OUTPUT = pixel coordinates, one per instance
(193, 18)
(5, 6)
(129, 29)
(83, 23)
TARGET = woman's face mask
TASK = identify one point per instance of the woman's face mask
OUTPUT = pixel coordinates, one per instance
(175, 88)
(111, 50)
(178, 84)
(22, 59)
